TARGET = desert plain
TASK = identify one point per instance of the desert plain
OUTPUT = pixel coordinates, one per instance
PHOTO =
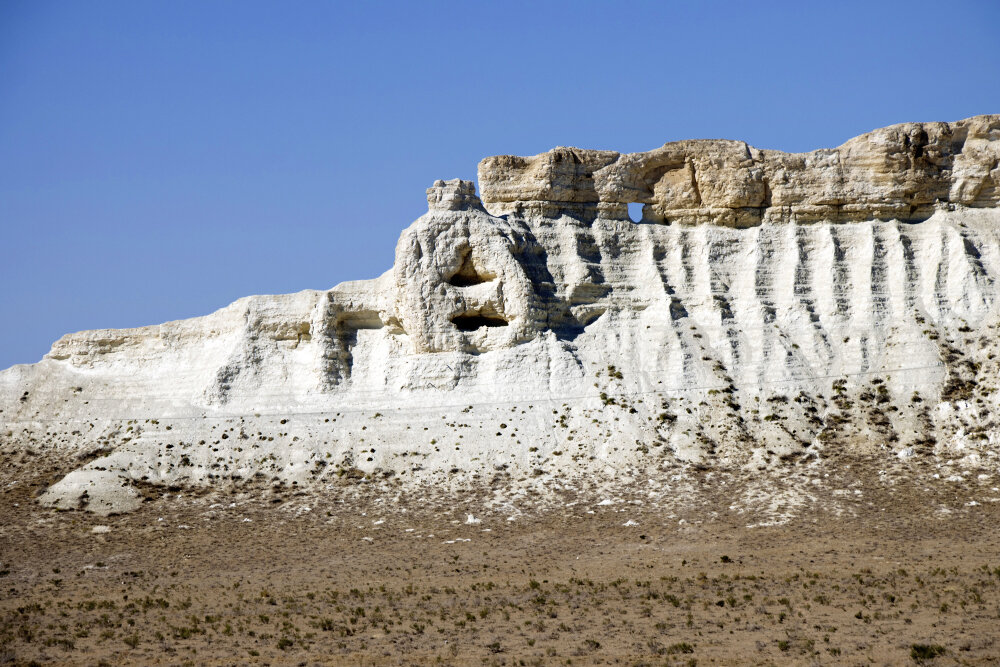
(840, 563)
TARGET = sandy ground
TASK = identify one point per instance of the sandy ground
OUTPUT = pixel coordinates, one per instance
(864, 571)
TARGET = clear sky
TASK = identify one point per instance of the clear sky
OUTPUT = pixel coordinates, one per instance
(159, 159)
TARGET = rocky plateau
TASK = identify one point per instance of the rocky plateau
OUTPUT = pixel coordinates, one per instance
(769, 310)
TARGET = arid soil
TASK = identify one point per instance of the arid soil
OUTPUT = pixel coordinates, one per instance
(865, 572)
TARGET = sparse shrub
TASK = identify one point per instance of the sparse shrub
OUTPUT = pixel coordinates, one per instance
(921, 652)
(680, 647)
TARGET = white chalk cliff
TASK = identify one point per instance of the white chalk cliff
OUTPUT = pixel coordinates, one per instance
(768, 308)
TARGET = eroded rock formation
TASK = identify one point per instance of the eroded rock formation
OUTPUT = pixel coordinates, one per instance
(540, 333)
(900, 172)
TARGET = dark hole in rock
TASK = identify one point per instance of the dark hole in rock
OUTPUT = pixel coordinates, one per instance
(476, 321)
(467, 275)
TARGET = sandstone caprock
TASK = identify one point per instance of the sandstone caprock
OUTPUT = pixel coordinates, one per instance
(769, 309)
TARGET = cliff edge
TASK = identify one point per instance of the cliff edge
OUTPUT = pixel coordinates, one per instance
(900, 172)
(769, 309)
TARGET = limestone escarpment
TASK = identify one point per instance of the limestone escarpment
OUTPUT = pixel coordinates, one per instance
(543, 334)
(900, 172)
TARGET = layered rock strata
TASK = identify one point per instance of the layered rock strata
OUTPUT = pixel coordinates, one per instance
(540, 334)
(900, 172)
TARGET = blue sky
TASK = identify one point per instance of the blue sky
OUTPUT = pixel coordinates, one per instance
(160, 159)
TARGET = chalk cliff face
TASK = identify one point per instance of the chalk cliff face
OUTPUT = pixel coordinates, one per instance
(769, 308)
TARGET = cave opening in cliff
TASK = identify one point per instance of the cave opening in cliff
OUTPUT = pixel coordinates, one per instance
(468, 275)
(478, 320)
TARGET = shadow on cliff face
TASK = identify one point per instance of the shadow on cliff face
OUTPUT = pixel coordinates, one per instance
(559, 319)
(468, 275)
(474, 321)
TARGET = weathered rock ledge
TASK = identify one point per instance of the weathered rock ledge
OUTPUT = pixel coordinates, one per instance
(900, 172)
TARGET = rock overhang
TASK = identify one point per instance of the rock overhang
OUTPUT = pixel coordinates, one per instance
(900, 172)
